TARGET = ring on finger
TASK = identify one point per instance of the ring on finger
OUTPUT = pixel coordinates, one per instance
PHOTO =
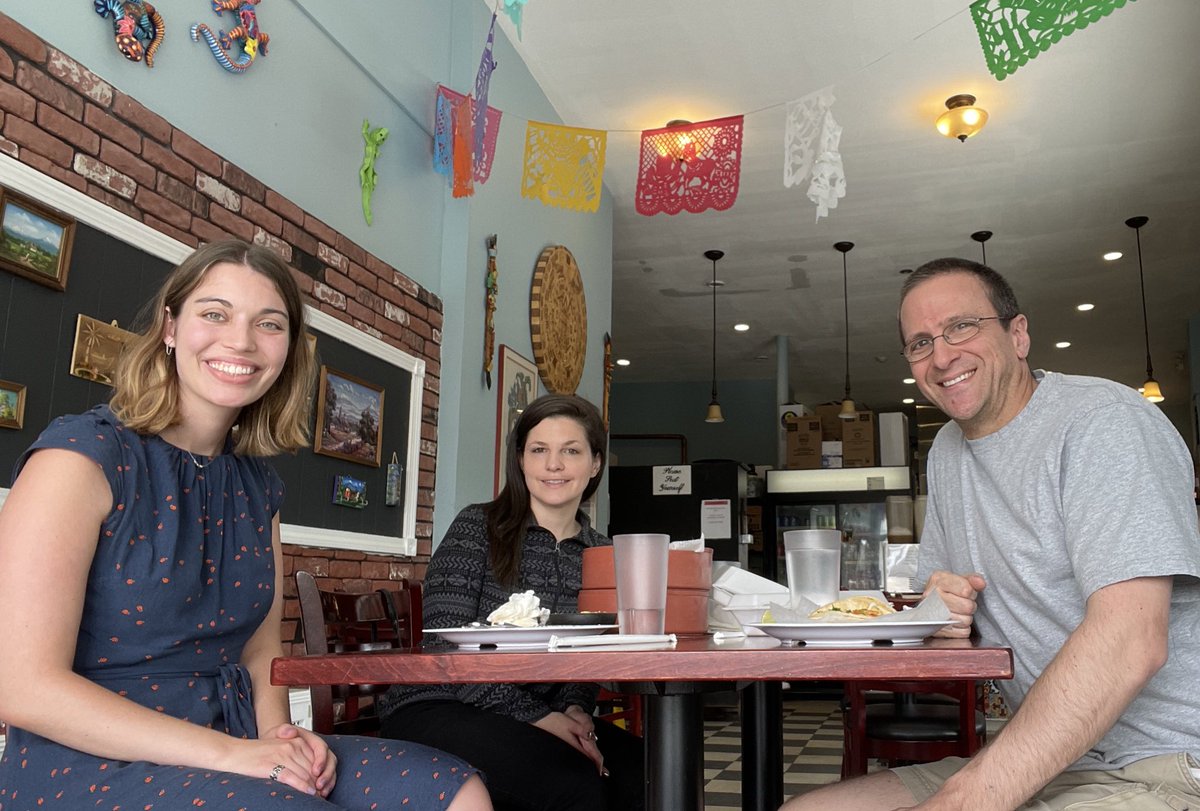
(591, 736)
(274, 775)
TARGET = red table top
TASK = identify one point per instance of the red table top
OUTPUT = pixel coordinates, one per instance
(693, 660)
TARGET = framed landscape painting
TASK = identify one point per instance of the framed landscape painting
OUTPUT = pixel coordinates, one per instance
(349, 418)
(35, 242)
(12, 404)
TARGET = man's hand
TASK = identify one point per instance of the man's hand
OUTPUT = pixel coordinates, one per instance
(958, 592)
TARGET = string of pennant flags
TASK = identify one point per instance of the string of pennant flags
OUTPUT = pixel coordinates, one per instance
(696, 167)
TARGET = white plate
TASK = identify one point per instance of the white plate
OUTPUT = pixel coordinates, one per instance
(508, 637)
(841, 634)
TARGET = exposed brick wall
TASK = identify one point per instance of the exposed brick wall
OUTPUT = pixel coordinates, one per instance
(63, 120)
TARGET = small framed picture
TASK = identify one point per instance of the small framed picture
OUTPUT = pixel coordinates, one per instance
(96, 349)
(349, 418)
(12, 404)
(518, 388)
(35, 242)
(349, 492)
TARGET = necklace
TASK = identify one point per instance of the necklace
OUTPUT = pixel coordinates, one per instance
(196, 461)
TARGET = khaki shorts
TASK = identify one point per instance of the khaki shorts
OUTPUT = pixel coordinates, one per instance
(1153, 784)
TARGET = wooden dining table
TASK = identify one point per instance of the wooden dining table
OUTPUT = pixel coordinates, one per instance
(672, 682)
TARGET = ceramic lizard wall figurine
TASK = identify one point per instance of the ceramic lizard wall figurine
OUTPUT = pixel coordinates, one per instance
(249, 38)
(134, 23)
(367, 178)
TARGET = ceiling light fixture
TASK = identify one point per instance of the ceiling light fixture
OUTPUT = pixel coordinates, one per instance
(908, 401)
(1083, 308)
(1062, 345)
(680, 146)
(1113, 256)
(908, 381)
(962, 118)
(741, 327)
(848, 411)
(622, 361)
(982, 237)
(714, 408)
(1150, 389)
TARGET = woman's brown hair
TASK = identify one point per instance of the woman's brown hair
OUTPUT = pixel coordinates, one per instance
(508, 514)
(146, 388)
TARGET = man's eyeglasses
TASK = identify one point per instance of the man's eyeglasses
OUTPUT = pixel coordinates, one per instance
(957, 333)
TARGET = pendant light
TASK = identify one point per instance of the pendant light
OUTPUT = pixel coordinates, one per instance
(982, 237)
(1150, 389)
(714, 408)
(849, 411)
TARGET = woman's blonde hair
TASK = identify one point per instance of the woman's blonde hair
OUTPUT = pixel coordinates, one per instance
(146, 388)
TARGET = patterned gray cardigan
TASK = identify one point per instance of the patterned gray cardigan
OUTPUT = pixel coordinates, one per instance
(459, 588)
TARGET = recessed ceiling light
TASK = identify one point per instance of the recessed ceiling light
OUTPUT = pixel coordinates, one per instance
(906, 270)
(622, 362)
(741, 327)
(909, 380)
(1062, 344)
(761, 357)
(1083, 308)
(908, 401)
(1113, 255)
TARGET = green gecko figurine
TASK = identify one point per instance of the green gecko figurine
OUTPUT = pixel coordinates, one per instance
(367, 177)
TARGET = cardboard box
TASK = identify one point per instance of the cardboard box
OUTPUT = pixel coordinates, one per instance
(803, 443)
(858, 440)
(831, 425)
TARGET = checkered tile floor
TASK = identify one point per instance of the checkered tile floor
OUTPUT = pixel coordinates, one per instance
(812, 751)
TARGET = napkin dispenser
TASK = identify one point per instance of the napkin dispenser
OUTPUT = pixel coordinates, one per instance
(689, 581)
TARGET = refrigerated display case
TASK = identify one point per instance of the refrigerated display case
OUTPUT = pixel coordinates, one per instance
(847, 499)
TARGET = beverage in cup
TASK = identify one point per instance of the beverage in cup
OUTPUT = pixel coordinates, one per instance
(641, 568)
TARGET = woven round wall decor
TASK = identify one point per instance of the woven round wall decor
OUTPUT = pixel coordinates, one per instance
(558, 320)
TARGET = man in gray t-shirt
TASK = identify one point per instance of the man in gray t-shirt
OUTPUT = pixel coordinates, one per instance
(1061, 522)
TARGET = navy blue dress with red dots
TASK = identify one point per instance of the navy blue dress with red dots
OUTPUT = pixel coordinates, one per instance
(183, 575)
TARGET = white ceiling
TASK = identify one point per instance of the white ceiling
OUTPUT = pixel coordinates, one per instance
(1099, 128)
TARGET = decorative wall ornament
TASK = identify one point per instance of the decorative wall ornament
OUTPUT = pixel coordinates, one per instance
(443, 133)
(462, 142)
(483, 78)
(393, 482)
(558, 320)
(513, 9)
(35, 241)
(367, 177)
(491, 288)
(693, 168)
(810, 150)
(349, 418)
(96, 349)
(1014, 31)
(608, 373)
(247, 37)
(564, 166)
(138, 28)
(12, 404)
(518, 388)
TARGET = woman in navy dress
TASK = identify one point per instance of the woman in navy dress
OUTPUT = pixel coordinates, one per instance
(140, 579)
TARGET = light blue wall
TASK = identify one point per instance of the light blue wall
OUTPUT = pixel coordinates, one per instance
(293, 121)
(747, 435)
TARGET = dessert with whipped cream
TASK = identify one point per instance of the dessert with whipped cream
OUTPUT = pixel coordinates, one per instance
(523, 610)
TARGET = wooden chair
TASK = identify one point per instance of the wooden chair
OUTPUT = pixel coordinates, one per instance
(623, 707)
(335, 621)
(913, 722)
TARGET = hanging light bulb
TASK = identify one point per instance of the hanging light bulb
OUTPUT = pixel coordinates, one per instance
(714, 407)
(982, 237)
(849, 410)
(1150, 389)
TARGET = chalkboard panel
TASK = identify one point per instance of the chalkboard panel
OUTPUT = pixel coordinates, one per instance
(110, 279)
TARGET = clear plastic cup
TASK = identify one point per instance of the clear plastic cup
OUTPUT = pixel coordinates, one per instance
(813, 558)
(640, 561)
